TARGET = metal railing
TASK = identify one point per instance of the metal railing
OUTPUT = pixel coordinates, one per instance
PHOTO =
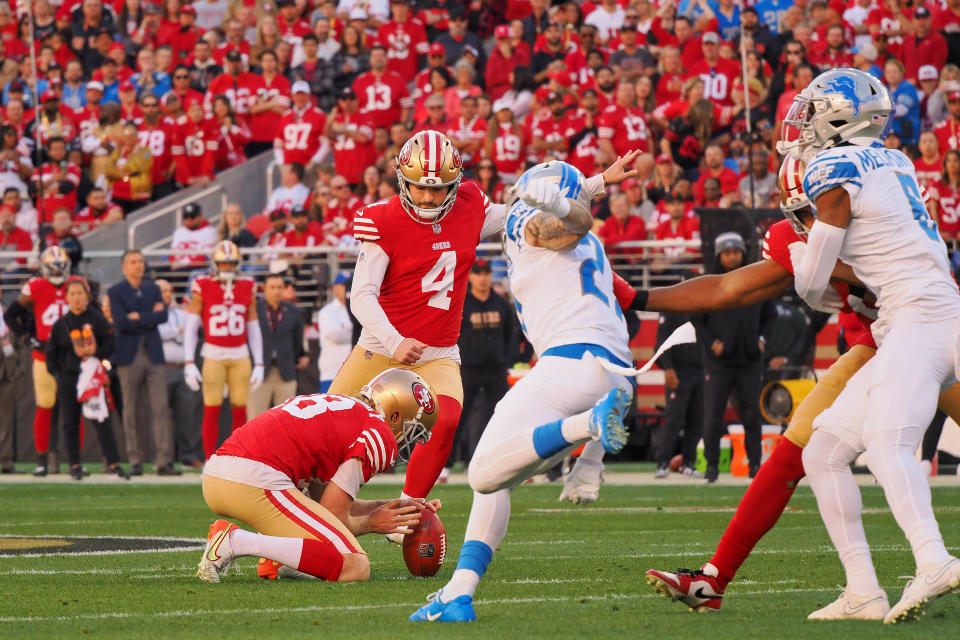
(178, 207)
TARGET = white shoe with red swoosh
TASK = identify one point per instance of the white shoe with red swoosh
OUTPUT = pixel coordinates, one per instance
(218, 556)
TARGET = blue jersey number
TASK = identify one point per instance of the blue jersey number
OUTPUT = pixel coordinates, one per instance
(928, 224)
(588, 270)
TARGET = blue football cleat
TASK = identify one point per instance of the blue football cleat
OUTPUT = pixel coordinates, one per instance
(460, 609)
(606, 420)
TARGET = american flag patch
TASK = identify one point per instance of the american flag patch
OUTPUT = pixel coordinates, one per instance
(876, 119)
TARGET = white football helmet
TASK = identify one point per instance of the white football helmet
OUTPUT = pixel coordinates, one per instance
(793, 200)
(840, 105)
(568, 178)
(55, 265)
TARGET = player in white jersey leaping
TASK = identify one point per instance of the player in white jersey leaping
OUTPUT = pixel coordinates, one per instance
(568, 398)
(870, 215)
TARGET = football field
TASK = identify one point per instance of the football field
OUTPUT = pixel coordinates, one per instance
(90, 564)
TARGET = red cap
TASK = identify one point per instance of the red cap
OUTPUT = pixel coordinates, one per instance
(191, 100)
(188, 9)
(118, 46)
(563, 77)
(664, 159)
(953, 95)
(48, 95)
(502, 31)
(436, 49)
(126, 85)
(629, 183)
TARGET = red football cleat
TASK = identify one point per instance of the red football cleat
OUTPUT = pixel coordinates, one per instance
(696, 589)
(267, 569)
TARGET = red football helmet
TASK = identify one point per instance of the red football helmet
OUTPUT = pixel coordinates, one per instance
(793, 200)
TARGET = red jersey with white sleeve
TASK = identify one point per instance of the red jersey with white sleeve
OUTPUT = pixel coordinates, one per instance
(195, 147)
(51, 176)
(669, 88)
(351, 157)
(949, 218)
(684, 229)
(300, 134)
(48, 303)
(717, 79)
(225, 306)
(264, 125)
(549, 129)
(312, 236)
(238, 90)
(158, 138)
(583, 155)
(475, 129)
(382, 97)
(425, 281)
(508, 151)
(776, 247)
(293, 32)
(338, 221)
(625, 127)
(948, 134)
(308, 437)
(404, 41)
(87, 119)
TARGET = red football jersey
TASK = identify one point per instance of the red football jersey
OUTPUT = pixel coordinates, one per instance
(949, 218)
(404, 41)
(948, 134)
(195, 147)
(264, 125)
(47, 175)
(87, 119)
(312, 237)
(549, 129)
(776, 247)
(584, 154)
(299, 135)
(48, 303)
(237, 89)
(508, 149)
(625, 127)
(475, 129)
(351, 157)
(425, 283)
(338, 221)
(158, 138)
(382, 97)
(928, 173)
(717, 79)
(308, 438)
(225, 309)
(669, 88)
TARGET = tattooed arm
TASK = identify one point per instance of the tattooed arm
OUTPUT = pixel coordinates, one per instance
(557, 234)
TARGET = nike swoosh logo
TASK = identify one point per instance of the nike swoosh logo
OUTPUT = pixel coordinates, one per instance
(703, 596)
(215, 548)
(433, 616)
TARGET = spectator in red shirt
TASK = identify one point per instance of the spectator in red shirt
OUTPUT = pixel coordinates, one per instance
(670, 83)
(268, 103)
(383, 94)
(928, 165)
(405, 39)
(834, 53)
(714, 168)
(54, 183)
(341, 210)
(183, 37)
(436, 119)
(948, 131)
(717, 73)
(622, 127)
(677, 227)
(351, 133)
(505, 142)
(503, 60)
(99, 210)
(621, 226)
(925, 46)
(13, 238)
(304, 233)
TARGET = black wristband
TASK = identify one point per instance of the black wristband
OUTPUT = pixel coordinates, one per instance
(640, 300)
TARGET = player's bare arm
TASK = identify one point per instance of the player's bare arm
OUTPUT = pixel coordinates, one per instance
(370, 516)
(548, 231)
(739, 288)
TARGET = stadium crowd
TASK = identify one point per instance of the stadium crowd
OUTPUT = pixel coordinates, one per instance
(131, 101)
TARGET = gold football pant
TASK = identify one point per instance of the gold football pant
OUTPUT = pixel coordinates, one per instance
(233, 373)
(443, 374)
(44, 385)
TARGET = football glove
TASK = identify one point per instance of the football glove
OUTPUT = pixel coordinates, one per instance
(191, 376)
(545, 195)
(256, 376)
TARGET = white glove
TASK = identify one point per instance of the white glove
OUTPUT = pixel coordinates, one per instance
(256, 376)
(192, 376)
(545, 195)
(859, 306)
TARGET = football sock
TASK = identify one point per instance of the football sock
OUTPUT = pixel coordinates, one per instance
(486, 527)
(238, 416)
(81, 433)
(427, 460)
(41, 429)
(314, 557)
(321, 559)
(890, 456)
(210, 430)
(827, 460)
(593, 450)
(759, 509)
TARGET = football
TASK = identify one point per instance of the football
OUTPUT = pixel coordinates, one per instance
(424, 549)
(676, 462)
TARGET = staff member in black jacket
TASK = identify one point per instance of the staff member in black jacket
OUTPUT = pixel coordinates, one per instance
(63, 363)
(487, 337)
(733, 349)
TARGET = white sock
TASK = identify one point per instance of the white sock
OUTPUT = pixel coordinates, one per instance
(404, 496)
(890, 456)
(489, 517)
(577, 428)
(827, 461)
(283, 550)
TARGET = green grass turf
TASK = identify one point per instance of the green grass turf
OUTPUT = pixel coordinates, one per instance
(575, 573)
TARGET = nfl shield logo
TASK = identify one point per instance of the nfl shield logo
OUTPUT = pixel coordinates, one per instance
(436, 227)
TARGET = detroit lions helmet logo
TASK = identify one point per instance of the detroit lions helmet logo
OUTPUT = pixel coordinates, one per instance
(848, 89)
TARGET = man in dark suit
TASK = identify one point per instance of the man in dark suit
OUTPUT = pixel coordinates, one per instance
(281, 325)
(137, 308)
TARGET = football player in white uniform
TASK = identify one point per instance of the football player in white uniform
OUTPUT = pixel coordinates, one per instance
(871, 216)
(568, 398)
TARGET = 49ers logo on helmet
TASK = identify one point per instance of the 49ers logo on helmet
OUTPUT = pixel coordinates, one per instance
(404, 157)
(422, 395)
(457, 161)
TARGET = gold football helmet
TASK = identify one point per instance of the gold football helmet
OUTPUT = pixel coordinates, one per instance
(224, 253)
(408, 405)
(430, 160)
(55, 265)
(793, 200)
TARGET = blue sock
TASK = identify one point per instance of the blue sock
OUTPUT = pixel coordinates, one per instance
(548, 439)
(475, 556)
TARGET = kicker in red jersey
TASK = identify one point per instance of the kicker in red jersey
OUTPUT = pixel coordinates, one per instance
(425, 283)
(309, 437)
(225, 309)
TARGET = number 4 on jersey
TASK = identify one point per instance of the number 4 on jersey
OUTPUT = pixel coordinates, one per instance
(440, 279)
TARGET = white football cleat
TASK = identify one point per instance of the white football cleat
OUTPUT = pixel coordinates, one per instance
(582, 484)
(931, 582)
(218, 555)
(395, 538)
(852, 607)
